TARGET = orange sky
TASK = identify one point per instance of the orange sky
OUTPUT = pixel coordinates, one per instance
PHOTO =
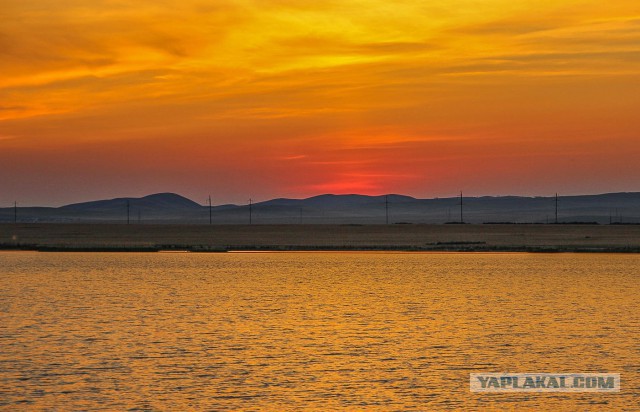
(292, 98)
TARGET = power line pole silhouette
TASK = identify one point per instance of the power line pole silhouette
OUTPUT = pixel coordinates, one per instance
(461, 218)
(250, 211)
(15, 212)
(556, 208)
(386, 209)
(128, 212)
(209, 209)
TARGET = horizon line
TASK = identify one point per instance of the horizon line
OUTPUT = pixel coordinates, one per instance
(551, 196)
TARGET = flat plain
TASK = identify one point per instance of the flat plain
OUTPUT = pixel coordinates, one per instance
(410, 237)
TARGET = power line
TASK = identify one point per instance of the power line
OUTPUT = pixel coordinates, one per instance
(386, 209)
(209, 209)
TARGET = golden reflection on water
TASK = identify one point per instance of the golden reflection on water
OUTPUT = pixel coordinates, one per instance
(311, 331)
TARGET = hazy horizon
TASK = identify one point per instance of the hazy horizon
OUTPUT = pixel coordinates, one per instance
(204, 201)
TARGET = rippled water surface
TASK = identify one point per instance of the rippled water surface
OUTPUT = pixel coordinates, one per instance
(311, 331)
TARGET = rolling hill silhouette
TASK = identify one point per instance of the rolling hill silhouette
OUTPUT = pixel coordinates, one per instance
(155, 202)
(344, 209)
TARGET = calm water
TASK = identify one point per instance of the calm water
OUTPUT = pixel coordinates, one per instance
(311, 331)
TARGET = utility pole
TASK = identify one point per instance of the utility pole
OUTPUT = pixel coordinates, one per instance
(128, 211)
(15, 212)
(556, 208)
(386, 209)
(139, 216)
(461, 219)
(300, 221)
(209, 209)
(250, 211)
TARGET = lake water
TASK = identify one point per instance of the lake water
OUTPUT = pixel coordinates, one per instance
(311, 331)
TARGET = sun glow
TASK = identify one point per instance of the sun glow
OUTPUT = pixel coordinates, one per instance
(288, 98)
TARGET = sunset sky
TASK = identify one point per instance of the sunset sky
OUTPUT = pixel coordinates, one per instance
(293, 98)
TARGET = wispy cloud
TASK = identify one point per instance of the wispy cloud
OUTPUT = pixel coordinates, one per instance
(347, 83)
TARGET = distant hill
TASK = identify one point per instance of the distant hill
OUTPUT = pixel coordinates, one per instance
(340, 201)
(159, 201)
(345, 209)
